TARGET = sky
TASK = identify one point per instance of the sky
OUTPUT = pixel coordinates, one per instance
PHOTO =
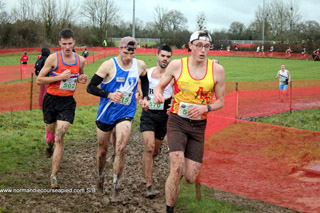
(219, 13)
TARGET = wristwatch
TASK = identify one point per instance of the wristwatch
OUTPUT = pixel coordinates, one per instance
(209, 107)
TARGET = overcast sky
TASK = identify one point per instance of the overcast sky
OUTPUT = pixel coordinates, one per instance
(220, 13)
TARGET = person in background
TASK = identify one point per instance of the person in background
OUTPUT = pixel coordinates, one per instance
(24, 58)
(284, 80)
(45, 52)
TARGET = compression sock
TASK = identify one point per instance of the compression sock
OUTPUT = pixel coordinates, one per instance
(49, 137)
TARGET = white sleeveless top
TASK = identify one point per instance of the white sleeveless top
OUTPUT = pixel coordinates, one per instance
(153, 82)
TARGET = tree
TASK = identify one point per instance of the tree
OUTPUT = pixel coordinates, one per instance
(176, 21)
(49, 17)
(101, 14)
(201, 20)
(26, 10)
(236, 30)
(161, 20)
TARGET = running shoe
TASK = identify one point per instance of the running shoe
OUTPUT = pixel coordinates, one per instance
(150, 193)
(54, 182)
(100, 184)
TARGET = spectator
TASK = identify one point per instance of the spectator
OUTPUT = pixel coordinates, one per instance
(24, 58)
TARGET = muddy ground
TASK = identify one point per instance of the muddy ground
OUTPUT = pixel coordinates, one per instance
(78, 174)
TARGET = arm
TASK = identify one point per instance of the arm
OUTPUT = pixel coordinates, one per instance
(289, 77)
(83, 78)
(102, 73)
(219, 90)
(277, 76)
(49, 65)
(165, 80)
(144, 84)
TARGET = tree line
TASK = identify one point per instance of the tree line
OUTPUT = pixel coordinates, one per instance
(34, 23)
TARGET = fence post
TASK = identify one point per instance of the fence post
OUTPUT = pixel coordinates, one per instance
(31, 92)
(290, 96)
(198, 191)
(237, 99)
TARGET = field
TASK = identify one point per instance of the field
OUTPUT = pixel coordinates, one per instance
(22, 146)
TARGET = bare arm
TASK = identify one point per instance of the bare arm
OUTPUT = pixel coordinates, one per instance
(168, 77)
(289, 77)
(50, 64)
(277, 76)
(82, 77)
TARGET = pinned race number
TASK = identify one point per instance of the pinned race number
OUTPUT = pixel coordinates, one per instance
(184, 108)
(155, 106)
(126, 98)
(69, 84)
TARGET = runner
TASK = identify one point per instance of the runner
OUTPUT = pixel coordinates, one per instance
(284, 80)
(153, 123)
(119, 78)
(196, 80)
(62, 70)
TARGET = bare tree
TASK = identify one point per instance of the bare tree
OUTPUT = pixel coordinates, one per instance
(201, 20)
(281, 19)
(236, 30)
(161, 20)
(4, 18)
(101, 14)
(67, 13)
(25, 10)
(49, 17)
(176, 21)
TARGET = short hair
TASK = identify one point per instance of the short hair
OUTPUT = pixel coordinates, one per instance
(164, 47)
(66, 33)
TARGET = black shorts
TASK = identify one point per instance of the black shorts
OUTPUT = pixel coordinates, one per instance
(155, 121)
(58, 108)
(108, 127)
(187, 136)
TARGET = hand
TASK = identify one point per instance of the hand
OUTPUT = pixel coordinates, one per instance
(115, 96)
(138, 94)
(144, 103)
(82, 78)
(158, 98)
(65, 75)
(197, 111)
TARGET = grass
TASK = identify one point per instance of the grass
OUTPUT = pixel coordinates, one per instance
(22, 132)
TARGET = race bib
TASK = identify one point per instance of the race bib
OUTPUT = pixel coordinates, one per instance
(183, 110)
(69, 84)
(155, 106)
(126, 97)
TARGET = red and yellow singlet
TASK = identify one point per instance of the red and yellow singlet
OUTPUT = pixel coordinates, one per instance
(193, 91)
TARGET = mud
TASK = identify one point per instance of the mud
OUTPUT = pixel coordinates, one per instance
(77, 177)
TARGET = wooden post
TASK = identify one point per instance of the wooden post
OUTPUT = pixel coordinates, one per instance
(31, 92)
(290, 96)
(237, 99)
(198, 191)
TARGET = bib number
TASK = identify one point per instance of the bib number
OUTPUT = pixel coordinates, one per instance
(126, 98)
(155, 106)
(69, 84)
(183, 110)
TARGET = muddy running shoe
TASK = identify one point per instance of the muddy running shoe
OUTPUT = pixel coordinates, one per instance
(150, 193)
(49, 150)
(100, 184)
(54, 182)
(115, 197)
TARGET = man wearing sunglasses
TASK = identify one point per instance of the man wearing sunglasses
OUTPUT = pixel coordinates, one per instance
(196, 80)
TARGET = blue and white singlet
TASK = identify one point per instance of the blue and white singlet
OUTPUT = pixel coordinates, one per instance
(125, 81)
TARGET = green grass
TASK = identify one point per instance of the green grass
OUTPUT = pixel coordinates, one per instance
(14, 59)
(22, 132)
(305, 119)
